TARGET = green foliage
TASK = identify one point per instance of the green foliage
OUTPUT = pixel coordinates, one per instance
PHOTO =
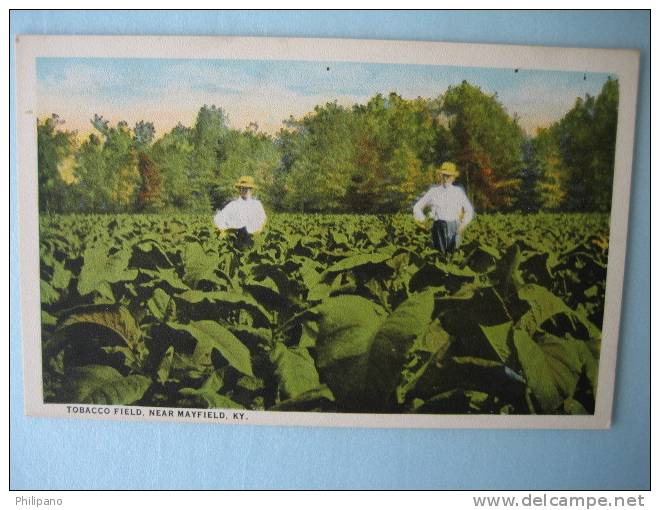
(207, 136)
(586, 136)
(246, 153)
(54, 148)
(104, 385)
(376, 157)
(172, 156)
(318, 159)
(371, 158)
(341, 313)
(106, 169)
(486, 146)
(546, 175)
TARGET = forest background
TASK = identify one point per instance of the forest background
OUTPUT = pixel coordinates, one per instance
(376, 157)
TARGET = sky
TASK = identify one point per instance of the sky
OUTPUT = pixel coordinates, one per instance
(166, 92)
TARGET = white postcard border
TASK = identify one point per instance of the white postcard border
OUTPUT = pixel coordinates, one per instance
(623, 63)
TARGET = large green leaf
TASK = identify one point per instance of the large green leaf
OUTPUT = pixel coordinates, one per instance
(294, 370)
(360, 353)
(148, 254)
(544, 304)
(101, 267)
(251, 337)
(546, 308)
(61, 276)
(229, 299)
(48, 294)
(476, 321)
(552, 368)
(498, 336)
(95, 384)
(161, 305)
(322, 290)
(395, 337)
(347, 329)
(106, 325)
(210, 335)
(198, 265)
(310, 272)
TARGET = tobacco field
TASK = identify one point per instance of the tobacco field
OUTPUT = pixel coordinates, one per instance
(328, 313)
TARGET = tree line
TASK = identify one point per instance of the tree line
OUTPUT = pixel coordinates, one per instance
(374, 157)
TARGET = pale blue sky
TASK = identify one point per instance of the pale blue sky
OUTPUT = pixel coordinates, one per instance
(267, 92)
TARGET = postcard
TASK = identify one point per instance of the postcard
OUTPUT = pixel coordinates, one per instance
(322, 232)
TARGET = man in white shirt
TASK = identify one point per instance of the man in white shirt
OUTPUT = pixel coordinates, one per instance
(450, 210)
(243, 216)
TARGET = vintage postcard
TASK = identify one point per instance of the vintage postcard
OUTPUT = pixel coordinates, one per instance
(322, 232)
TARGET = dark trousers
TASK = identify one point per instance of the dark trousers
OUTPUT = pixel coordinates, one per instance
(241, 239)
(444, 235)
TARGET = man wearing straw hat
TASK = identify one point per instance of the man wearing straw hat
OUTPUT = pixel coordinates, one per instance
(243, 216)
(450, 209)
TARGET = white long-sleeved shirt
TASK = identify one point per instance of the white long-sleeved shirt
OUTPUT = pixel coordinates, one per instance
(239, 213)
(447, 204)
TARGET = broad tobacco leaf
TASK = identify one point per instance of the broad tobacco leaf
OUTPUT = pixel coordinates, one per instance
(210, 335)
(148, 254)
(198, 265)
(360, 353)
(161, 305)
(230, 299)
(112, 321)
(294, 370)
(103, 385)
(545, 308)
(100, 268)
(552, 367)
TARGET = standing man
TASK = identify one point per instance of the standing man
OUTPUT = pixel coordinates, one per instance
(451, 210)
(243, 216)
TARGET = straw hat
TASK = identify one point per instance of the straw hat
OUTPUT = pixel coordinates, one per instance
(246, 181)
(448, 168)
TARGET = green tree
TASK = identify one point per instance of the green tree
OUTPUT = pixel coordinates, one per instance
(173, 155)
(91, 191)
(54, 147)
(106, 169)
(486, 145)
(545, 177)
(396, 145)
(374, 157)
(208, 135)
(247, 153)
(318, 159)
(587, 136)
(149, 197)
